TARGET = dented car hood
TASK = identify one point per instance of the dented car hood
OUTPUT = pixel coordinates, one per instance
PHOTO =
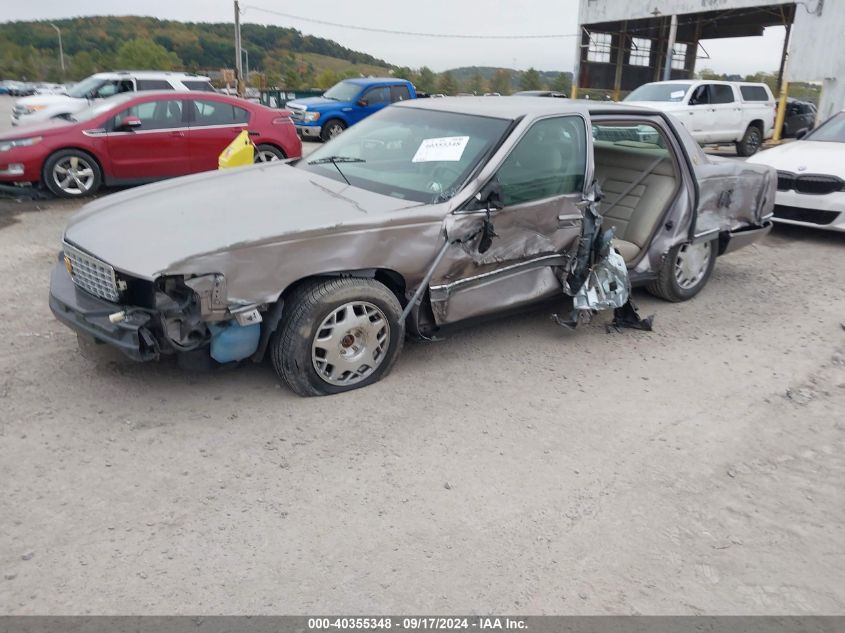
(142, 231)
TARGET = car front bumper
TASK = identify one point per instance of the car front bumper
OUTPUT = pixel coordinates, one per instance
(308, 131)
(819, 212)
(21, 164)
(89, 317)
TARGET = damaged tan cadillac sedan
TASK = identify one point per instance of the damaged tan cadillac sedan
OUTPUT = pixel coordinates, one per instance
(429, 213)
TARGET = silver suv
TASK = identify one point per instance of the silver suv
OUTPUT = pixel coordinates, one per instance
(42, 107)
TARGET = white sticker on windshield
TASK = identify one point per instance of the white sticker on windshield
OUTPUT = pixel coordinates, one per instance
(677, 94)
(446, 148)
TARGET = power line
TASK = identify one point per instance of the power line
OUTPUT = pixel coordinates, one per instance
(462, 36)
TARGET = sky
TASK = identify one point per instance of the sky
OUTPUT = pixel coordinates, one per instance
(492, 17)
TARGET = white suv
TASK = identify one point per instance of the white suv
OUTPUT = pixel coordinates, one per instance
(42, 107)
(715, 111)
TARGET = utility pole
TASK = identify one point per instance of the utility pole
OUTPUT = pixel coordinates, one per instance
(61, 50)
(239, 71)
(246, 72)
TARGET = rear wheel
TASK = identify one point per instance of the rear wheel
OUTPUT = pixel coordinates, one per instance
(267, 153)
(72, 173)
(332, 128)
(685, 271)
(338, 334)
(750, 142)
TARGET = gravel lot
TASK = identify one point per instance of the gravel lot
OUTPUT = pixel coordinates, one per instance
(515, 467)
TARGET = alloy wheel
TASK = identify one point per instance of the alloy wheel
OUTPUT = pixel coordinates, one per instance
(350, 343)
(265, 157)
(74, 175)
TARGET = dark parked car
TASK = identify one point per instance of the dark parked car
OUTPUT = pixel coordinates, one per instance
(800, 117)
(540, 93)
(134, 138)
(427, 214)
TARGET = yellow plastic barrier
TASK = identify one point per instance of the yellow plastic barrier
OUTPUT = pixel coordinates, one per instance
(238, 153)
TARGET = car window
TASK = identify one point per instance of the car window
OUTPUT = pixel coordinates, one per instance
(550, 160)
(218, 113)
(154, 84)
(108, 89)
(374, 96)
(399, 93)
(720, 93)
(831, 131)
(199, 86)
(753, 93)
(409, 153)
(656, 92)
(155, 115)
(700, 95)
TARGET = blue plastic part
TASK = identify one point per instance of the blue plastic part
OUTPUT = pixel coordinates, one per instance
(232, 342)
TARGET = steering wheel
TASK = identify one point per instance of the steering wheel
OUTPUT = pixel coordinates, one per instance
(441, 176)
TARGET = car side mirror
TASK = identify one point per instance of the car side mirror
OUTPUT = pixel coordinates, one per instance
(801, 134)
(129, 123)
(363, 102)
(490, 196)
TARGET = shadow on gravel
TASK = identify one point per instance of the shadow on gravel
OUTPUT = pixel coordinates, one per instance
(783, 234)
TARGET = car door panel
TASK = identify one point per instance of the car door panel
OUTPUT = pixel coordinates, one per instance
(700, 116)
(157, 149)
(213, 125)
(727, 125)
(538, 226)
(376, 99)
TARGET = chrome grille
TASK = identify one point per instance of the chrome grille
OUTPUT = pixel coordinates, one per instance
(297, 113)
(92, 275)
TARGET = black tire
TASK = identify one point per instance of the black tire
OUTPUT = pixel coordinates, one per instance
(751, 141)
(332, 128)
(50, 177)
(267, 151)
(306, 311)
(667, 285)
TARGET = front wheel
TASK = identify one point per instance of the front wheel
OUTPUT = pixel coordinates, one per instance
(338, 334)
(685, 271)
(750, 142)
(72, 173)
(332, 128)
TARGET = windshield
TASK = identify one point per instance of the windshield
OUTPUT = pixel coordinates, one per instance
(659, 92)
(344, 91)
(100, 107)
(409, 153)
(831, 131)
(85, 87)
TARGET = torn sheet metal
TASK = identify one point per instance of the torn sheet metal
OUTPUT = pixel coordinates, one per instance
(607, 286)
(598, 278)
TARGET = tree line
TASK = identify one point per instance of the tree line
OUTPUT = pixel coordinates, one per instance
(30, 50)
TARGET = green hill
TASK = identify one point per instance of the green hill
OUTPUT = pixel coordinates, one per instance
(30, 49)
(547, 78)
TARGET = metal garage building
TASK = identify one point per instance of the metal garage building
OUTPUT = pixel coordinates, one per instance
(625, 44)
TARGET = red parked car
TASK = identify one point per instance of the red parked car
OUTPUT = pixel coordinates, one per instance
(135, 138)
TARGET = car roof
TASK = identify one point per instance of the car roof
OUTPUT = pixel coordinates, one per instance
(374, 80)
(182, 94)
(151, 74)
(516, 106)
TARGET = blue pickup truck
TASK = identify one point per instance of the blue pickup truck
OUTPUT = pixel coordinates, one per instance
(345, 104)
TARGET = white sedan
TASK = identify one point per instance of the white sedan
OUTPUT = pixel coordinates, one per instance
(811, 177)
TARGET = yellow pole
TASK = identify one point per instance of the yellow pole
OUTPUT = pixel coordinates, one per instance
(574, 91)
(784, 90)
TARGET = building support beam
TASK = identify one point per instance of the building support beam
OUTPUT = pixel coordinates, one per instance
(670, 48)
(620, 59)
